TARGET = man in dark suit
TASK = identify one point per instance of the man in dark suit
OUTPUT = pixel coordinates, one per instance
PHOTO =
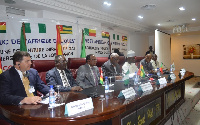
(88, 74)
(19, 84)
(60, 75)
(111, 67)
(147, 65)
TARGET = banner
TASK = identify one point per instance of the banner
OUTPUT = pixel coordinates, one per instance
(41, 40)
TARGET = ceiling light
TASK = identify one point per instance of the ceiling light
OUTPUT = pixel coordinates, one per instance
(181, 8)
(141, 17)
(159, 24)
(106, 3)
(193, 19)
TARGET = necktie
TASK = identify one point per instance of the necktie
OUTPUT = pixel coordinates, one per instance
(26, 85)
(64, 79)
(95, 76)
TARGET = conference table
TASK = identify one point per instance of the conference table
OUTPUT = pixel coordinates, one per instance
(152, 107)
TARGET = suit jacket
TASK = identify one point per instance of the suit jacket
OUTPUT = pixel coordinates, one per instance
(53, 78)
(108, 69)
(147, 66)
(84, 76)
(12, 89)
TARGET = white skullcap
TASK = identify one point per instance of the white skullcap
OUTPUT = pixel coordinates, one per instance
(130, 53)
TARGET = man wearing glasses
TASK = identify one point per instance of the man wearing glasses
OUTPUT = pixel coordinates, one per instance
(111, 67)
(60, 75)
(88, 74)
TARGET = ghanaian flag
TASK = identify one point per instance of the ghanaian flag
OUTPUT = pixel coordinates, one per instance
(2, 27)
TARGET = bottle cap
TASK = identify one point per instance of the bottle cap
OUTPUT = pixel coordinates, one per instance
(51, 86)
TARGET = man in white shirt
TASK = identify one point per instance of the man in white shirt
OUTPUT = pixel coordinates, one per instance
(154, 62)
(130, 64)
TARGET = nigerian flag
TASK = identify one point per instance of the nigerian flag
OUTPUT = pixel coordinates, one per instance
(126, 78)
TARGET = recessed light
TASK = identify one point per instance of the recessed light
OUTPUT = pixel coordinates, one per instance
(106, 3)
(181, 8)
(193, 19)
(159, 24)
(141, 17)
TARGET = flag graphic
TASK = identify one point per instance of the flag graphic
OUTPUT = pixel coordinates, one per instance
(117, 37)
(90, 32)
(101, 77)
(142, 73)
(65, 29)
(124, 38)
(27, 28)
(42, 28)
(161, 68)
(58, 42)
(83, 53)
(113, 36)
(126, 78)
(2, 27)
(105, 34)
(0, 66)
(23, 38)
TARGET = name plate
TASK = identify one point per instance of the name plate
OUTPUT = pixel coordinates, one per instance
(146, 87)
(76, 107)
(162, 81)
(128, 92)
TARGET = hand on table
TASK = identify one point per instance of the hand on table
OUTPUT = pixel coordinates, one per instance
(31, 100)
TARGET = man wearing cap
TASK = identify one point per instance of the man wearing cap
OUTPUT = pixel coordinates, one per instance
(130, 64)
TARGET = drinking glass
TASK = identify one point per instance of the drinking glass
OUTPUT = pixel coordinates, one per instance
(58, 96)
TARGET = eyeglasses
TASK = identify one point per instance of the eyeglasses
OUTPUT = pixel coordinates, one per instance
(63, 61)
(116, 59)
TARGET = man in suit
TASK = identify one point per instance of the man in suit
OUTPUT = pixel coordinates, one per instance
(60, 75)
(111, 67)
(19, 84)
(148, 68)
(88, 74)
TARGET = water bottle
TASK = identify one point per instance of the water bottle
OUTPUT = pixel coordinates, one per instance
(158, 72)
(106, 83)
(52, 97)
(136, 79)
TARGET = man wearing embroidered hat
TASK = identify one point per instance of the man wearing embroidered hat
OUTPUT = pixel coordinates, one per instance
(130, 64)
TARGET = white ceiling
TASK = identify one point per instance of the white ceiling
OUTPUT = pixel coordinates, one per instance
(166, 12)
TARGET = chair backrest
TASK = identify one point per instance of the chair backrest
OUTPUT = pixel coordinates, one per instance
(138, 59)
(43, 65)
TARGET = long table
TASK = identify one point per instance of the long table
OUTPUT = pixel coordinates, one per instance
(154, 107)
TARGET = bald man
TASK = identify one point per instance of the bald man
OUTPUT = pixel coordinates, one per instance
(111, 67)
(146, 63)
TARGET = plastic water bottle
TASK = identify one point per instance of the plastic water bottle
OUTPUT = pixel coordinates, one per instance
(106, 83)
(158, 72)
(136, 79)
(52, 97)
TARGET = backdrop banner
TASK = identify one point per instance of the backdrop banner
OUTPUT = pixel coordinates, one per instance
(41, 39)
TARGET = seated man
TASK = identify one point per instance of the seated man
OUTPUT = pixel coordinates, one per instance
(111, 67)
(19, 84)
(154, 62)
(148, 68)
(60, 75)
(88, 74)
(130, 64)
